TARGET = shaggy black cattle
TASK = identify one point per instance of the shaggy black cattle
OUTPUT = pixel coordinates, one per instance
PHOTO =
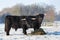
(24, 22)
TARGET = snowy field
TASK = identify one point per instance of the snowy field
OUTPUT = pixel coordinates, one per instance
(53, 33)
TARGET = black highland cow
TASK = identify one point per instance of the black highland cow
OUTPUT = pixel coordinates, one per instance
(23, 22)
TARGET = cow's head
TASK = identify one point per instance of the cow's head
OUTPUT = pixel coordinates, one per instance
(40, 18)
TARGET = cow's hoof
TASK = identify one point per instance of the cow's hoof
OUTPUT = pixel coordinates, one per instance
(25, 33)
(7, 34)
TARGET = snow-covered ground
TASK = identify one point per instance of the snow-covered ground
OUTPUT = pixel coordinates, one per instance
(53, 33)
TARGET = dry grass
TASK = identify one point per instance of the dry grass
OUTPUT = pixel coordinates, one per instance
(38, 32)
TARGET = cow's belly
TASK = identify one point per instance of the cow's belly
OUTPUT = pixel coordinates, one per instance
(16, 26)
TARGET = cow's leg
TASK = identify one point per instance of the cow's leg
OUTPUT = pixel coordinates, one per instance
(15, 29)
(36, 26)
(7, 32)
(7, 25)
(24, 29)
(7, 29)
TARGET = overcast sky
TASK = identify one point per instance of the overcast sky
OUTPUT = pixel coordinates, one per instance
(10, 3)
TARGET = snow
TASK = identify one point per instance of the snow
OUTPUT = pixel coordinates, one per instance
(53, 33)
